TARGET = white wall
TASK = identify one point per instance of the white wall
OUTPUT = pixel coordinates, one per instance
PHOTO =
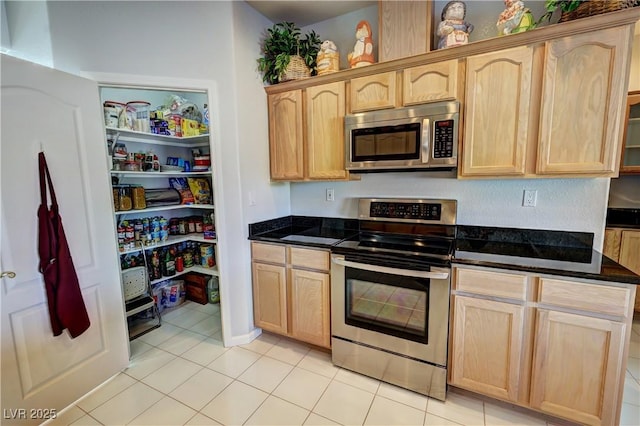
(563, 204)
(261, 199)
(28, 35)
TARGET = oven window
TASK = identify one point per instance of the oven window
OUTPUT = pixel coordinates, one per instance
(386, 143)
(390, 304)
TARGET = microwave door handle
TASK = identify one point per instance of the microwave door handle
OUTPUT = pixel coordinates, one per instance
(393, 271)
(426, 141)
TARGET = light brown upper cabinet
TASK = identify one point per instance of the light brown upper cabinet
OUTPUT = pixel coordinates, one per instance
(583, 103)
(325, 106)
(404, 28)
(630, 160)
(498, 113)
(373, 92)
(431, 83)
(553, 109)
(313, 148)
(285, 135)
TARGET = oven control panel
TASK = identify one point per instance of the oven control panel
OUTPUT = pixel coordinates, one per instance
(405, 210)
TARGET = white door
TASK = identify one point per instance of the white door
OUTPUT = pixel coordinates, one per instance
(61, 114)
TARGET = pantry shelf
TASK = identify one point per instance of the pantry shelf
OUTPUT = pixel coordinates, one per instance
(162, 208)
(157, 174)
(173, 239)
(125, 135)
(200, 269)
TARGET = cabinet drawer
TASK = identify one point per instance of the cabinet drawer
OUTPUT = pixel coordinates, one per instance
(491, 283)
(309, 258)
(272, 253)
(584, 296)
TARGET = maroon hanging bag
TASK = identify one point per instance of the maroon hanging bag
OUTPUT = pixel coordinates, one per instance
(66, 306)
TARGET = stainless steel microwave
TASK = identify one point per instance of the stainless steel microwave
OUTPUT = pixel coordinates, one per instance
(418, 137)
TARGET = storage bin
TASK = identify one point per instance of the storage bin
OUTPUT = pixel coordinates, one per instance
(196, 287)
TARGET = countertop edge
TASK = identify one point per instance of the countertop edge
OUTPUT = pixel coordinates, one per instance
(623, 279)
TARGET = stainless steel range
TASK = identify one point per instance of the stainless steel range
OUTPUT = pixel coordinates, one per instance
(390, 290)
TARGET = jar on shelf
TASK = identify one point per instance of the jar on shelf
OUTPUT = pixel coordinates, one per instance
(139, 201)
(125, 200)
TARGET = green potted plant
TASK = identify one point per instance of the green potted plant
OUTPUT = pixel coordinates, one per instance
(287, 56)
(565, 6)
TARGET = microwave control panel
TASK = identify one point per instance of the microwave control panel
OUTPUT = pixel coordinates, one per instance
(443, 139)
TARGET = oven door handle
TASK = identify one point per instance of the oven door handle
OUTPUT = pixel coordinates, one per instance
(394, 271)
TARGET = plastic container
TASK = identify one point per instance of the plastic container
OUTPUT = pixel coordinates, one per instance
(112, 111)
(214, 290)
(139, 112)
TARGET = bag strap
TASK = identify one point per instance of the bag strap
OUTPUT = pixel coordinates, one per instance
(44, 170)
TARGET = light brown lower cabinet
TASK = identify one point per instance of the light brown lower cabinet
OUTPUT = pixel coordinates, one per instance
(553, 344)
(291, 291)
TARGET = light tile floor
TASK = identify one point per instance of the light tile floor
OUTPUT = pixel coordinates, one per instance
(184, 376)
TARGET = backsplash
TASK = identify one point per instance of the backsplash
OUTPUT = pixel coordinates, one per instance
(562, 204)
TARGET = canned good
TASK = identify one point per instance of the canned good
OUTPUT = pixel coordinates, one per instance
(187, 259)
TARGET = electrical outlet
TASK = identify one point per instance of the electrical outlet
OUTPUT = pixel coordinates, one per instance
(330, 196)
(530, 198)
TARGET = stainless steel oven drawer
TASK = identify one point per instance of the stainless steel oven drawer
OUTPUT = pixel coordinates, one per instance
(401, 371)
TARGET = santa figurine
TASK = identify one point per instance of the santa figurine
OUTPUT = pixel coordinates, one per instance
(514, 18)
(362, 54)
(453, 30)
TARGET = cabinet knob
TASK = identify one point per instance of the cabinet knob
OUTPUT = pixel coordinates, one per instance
(9, 274)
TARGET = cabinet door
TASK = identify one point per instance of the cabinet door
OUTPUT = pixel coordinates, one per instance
(310, 313)
(584, 93)
(488, 337)
(577, 360)
(404, 28)
(325, 131)
(630, 256)
(270, 297)
(285, 135)
(630, 161)
(373, 92)
(429, 83)
(497, 122)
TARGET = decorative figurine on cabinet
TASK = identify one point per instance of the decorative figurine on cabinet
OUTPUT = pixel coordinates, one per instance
(515, 18)
(328, 59)
(362, 54)
(453, 30)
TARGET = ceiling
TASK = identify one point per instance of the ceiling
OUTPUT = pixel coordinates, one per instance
(306, 12)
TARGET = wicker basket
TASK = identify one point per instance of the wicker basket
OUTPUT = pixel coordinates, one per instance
(296, 70)
(596, 7)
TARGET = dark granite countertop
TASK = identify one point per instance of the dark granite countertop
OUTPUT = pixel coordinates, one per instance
(304, 230)
(561, 253)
